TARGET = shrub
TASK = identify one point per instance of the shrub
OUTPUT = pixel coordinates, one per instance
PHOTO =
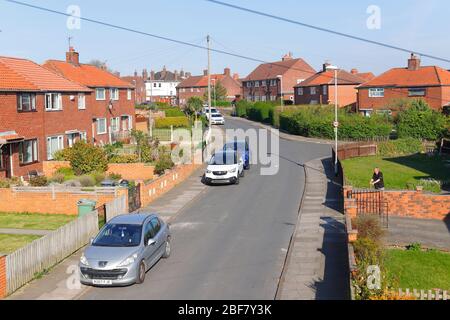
(39, 181)
(414, 247)
(176, 122)
(400, 147)
(8, 183)
(369, 227)
(86, 158)
(63, 155)
(421, 122)
(87, 181)
(260, 112)
(241, 108)
(66, 172)
(115, 177)
(174, 112)
(125, 158)
(58, 178)
(164, 163)
(98, 178)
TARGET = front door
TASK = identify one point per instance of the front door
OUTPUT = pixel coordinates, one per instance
(5, 163)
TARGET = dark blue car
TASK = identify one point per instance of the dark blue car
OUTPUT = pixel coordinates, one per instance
(242, 148)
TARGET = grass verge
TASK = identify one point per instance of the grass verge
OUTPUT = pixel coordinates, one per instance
(34, 221)
(10, 243)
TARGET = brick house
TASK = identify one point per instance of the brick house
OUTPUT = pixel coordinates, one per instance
(430, 83)
(112, 103)
(40, 113)
(264, 83)
(197, 86)
(139, 84)
(320, 88)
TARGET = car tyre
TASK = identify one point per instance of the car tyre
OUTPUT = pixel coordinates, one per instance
(236, 182)
(243, 173)
(141, 273)
(167, 250)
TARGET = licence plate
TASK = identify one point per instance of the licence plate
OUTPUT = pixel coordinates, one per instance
(102, 282)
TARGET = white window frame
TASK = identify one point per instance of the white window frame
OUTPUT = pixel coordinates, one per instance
(34, 152)
(376, 92)
(325, 90)
(129, 94)
(97, 126)
(81, 101)
(115, 124)
(114, 94)
(256, 84)
(60, 142)
(312, 91)
(417, 90)
(99, 97)
(32, 103)
(300, 91)
(56, 105)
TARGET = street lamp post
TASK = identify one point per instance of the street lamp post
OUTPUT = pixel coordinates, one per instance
(215, 98)
(281, 92)
(336, 117)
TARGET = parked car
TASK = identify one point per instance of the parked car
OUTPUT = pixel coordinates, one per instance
(225, 166)
(217, 118)
(242, 147)
(124, 250)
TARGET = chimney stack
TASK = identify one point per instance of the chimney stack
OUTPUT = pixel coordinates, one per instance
(176, 75)
(73, 57)
(287, 57)
(325, 66)
(145, 74)
(205, 72)
(354, 71)
(414, 63)
(236, 76)
(227, 71)
(182, 73)
(152, 75)
(135, 74)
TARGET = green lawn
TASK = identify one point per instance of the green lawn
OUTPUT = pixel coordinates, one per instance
(422, 270)
(399, 173)
(33, 221)
(10, 243)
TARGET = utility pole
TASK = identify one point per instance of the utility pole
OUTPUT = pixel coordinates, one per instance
(209, 81)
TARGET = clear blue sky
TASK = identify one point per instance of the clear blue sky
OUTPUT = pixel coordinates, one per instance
(417, 24)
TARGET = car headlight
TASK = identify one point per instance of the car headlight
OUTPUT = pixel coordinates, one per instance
(208, 171)
(128, 261)
(233, 170)
(84, 261)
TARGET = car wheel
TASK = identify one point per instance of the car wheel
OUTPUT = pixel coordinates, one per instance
(236, 182)
(141, 273)
(243, 173)
(167, 250)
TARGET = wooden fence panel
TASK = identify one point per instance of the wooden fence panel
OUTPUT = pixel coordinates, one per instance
(116, 207)
(23, 264)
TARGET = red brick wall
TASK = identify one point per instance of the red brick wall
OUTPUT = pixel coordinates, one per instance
(433, 97)
(2, 277)
(346, 95)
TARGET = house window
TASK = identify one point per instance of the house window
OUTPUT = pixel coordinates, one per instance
(28, 151)
(256, 84)
(273, 98)
(100, 94)
(129, 92)
(314, 102)
(300, 91)
(376, 92)
(54, 144)
(417, 92)
(114, 94)
(312, 90)
(273, 83)
(101, 126)
(26, 102)
(115, 124)
(263, 98)
(81, 101)
(53, 101)
(257, 98)
(325, 90)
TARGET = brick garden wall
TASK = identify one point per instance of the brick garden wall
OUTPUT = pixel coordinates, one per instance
(132, 171)
(49, 168)
(2, 277)
(49, 203)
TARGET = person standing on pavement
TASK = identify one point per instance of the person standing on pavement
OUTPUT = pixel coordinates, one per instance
(377, 180)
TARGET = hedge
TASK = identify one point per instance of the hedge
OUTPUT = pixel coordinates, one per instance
(176, 122)
(317, 122)
(260, 111)
(241, 108)
(400, 147)
(174, 112)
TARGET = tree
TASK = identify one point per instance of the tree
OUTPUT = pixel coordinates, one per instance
(219, 93)
(101, 65)
(194, 106)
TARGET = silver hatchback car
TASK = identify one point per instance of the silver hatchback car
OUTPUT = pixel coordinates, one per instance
(124, 250)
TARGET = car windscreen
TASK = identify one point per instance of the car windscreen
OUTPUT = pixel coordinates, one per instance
(236, 146)
(217, 116)
(223, 158)
(119, 235)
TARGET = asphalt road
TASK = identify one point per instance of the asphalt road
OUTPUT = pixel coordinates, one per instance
(232, 241)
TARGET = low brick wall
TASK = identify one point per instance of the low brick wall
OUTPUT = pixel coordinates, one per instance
(49, 168)
(3, 285)
(156, 188)
(411, 204)
(50, 203)
(132, 171)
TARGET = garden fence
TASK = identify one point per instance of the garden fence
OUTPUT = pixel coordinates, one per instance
(24, 264)
(116, 207)
(423, 294)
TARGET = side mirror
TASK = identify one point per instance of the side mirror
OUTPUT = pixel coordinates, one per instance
(151, 242)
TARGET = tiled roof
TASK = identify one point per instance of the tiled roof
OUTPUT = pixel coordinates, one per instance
(87, 75)
(200, 81)
(367, 76)
(272, 70)
(24, 75)
(402, 77)
(327, 78)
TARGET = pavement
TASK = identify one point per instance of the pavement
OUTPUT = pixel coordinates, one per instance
(317, 265)
(433, 234)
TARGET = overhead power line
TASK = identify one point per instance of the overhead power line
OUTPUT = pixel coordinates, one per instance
(341, 34)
